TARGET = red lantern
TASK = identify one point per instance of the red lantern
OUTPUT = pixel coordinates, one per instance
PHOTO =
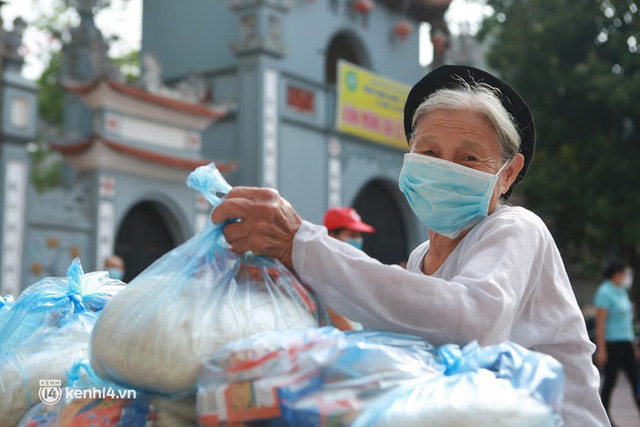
(363, 6)
(440, 41)
(403, 29)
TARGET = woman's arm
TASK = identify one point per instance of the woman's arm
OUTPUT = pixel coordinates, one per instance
(601, 329)
(479, 302)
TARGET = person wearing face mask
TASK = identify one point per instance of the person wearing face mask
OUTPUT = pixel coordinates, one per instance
(614, 331)
(115, 267)
(345, 225)
(489, 272)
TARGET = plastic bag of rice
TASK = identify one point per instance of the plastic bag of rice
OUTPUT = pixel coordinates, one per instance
(157, 332)
(46, 329)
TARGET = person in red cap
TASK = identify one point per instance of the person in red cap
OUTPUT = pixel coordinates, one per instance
(346, 225)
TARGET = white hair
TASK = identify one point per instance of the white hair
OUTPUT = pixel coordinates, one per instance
(477, 97)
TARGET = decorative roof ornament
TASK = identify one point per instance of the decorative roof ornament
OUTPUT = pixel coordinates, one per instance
(193, 88)
(87, 7)
(86, 56)
(151, 73)
(13, 47)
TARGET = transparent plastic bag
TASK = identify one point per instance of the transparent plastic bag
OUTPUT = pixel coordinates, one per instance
(46, 329)
(89, 400)
(501, 385)
(416, 346)
(371, 364)
(539, 374)
(5, 305)
(199, 296)
(478, 399)
(265, 376)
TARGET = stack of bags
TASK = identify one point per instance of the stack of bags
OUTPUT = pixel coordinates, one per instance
(208, 336)
(303, 377)
(154, 335)
(324, 377)
(106, 405)
(44, 331)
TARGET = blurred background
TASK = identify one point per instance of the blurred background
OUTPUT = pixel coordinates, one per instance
(108, 105)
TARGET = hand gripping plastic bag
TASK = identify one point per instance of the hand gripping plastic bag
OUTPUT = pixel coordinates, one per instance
(89, 400)
(157, 332)
(261, 377)
(501, 385)
(47, 328)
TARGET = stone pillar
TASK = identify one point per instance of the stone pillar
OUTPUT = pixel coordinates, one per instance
(259, 50)
(18, 112)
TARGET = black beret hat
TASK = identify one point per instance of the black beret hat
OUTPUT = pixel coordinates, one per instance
(450, 76)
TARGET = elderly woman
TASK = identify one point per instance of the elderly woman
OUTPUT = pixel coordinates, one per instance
(489, 272)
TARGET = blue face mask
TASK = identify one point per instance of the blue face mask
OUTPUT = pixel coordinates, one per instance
(447, 197)
(114, 273)
(355, 242)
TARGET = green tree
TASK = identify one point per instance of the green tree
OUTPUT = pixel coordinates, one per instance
(51, 94)
(57, 20)
(577, 65)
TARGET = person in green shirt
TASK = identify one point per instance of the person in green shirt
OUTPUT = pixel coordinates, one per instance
(614, 331)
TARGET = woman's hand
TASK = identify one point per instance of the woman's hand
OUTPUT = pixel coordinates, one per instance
(267, 223)
(601, 357)
(601, 345)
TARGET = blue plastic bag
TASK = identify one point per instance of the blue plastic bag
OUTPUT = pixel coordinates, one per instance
(5, 306)
(155, 335)
(46, 329)
(537, 373)
(500, 385)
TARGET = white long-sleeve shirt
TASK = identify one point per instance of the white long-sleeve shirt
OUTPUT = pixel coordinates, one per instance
(504, 281)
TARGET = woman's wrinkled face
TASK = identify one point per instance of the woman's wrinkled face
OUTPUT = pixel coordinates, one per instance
(465, 137)
(468, 138)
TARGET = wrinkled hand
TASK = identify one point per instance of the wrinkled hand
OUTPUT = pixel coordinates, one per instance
(267, 223)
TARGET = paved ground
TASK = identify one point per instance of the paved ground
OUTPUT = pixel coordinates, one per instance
(623, 411)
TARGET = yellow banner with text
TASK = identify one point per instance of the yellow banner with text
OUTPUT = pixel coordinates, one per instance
(370, 106)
